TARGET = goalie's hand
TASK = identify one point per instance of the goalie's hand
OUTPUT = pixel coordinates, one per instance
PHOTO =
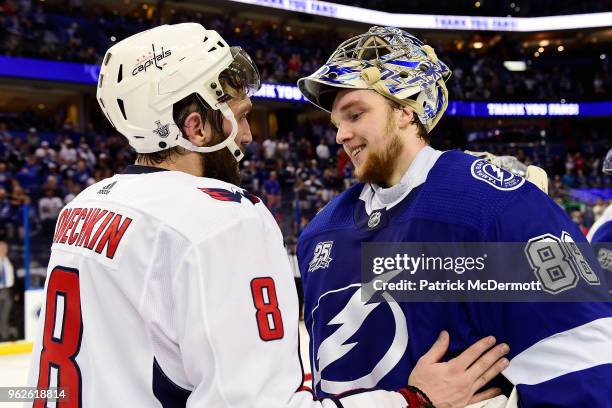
(455, 384)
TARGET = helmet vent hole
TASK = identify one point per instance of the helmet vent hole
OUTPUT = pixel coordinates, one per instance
(212, 49)
(205, 39)
(220, 44)
(122, 108)
(332, 75)
(100, 80)
(120, 75)
(107, 59)
(403, 74)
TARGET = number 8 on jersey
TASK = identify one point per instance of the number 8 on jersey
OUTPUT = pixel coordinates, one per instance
(269, 319)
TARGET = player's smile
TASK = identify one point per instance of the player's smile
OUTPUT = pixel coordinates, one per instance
(356, 152)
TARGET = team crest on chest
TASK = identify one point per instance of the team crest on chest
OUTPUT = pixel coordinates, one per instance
(497, 177)
(322, 256)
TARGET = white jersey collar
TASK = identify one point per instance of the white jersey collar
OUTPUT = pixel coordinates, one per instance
(376, 197)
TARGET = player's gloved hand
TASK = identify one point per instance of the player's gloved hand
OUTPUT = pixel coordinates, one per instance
(454, 384)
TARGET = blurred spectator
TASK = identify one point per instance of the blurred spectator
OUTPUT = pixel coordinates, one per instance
(269, 148)
(282, 149)
(72, 190)
(29, 175)
(67, 153)
(49, 208)
(81, 174)
(323, 154)
(5, 176)
(272, 191)
(578, 218)
(598, 209)
(6, 216)
(45, 153)
(7, 281)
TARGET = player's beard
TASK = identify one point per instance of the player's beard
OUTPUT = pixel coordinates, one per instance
(381, 162)
(221, 165)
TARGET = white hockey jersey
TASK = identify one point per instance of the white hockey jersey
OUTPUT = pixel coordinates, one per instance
(169, 290)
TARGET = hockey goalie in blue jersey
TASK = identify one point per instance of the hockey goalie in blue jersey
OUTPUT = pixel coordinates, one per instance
(385, 91)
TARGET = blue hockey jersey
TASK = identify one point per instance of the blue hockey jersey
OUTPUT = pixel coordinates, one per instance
(561, 353)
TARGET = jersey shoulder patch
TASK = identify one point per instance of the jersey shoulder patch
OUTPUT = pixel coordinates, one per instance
(495, 176)
(236, 195)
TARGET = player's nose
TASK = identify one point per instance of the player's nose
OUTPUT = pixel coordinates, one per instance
(344, 134)
(246, 136)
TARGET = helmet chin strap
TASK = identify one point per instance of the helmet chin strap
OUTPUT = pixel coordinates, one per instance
(229, 142)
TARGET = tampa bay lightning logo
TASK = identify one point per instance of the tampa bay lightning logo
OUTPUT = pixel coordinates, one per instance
(347, 332)
(497, 177)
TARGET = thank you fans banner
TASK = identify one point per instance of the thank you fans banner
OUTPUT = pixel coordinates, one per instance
(437, 22)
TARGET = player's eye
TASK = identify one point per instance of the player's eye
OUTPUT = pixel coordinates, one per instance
(354, 116)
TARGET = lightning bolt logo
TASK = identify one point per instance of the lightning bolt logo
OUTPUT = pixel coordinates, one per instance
(499, 173)
(350, 320)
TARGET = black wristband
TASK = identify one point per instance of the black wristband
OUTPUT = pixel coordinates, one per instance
(420, 393)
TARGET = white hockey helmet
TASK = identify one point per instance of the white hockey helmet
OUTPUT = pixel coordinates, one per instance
(389, 61)
(144, 75)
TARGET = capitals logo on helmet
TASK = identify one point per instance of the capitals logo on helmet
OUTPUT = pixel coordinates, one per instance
(389, 61)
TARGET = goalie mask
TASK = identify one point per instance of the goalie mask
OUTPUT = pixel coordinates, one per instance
(389, 61)
(144, 75)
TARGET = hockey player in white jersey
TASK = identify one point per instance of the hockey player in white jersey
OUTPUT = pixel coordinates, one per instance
(168, 285)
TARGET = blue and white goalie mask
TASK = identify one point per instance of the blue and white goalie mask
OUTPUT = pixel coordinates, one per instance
(389, 61)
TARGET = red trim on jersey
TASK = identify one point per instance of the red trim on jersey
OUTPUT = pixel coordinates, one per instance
(414, 400)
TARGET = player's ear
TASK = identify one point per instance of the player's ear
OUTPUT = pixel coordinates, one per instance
(196, 129)
(405, 118)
